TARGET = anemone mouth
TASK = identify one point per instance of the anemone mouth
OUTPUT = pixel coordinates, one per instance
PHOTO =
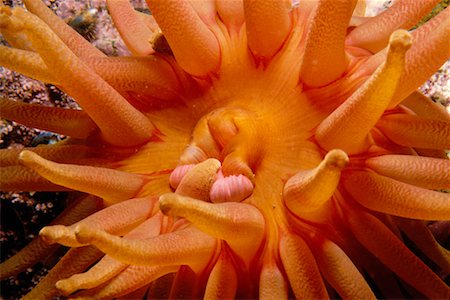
(259, 162)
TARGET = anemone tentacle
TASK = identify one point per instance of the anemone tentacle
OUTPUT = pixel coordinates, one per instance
(135, 34)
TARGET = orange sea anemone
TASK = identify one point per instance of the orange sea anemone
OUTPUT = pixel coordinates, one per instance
(274, 151)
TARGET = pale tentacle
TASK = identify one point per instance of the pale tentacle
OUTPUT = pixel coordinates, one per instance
(347, 128)
(21, 178)
(340, 272)
(307, 192)
(222, 281)
(429, 51)
(108, 267)
(325, 58)
(226, 217)
(301, 268)
(116, 219)
(414, 131)
(426, 172)
(272, 284)
(132, 29)
(71, 122)
(396, 198)
(141, 77)
(28, 63)
(74, 261)
(374, 34)
(111, 185)
(119, 122)
(425, 107)
(183, 30)
(188, 246)
(81, 47)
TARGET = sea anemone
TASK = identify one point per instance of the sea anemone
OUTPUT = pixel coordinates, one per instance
(246, 149)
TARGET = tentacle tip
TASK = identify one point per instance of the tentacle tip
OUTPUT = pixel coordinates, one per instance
(26, 156)
(337, 158)
(166, 202)
(46, 235)
(63, 287)
(234, 188)
(400, 40)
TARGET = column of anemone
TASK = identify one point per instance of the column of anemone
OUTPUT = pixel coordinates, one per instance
(120, 124)
(348, 127)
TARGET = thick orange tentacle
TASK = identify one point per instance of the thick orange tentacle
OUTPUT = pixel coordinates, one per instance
(74, 261)
(195, 47)
(81, 47)
(340, 272)
(394, 197)
(138, 76)
(20, 178)
(307, 192)
(130, 280)
(108, 267)
(267, 24)
(425, 107)
(119, 122)
(222, 281)
(111, 185)
(226, 217)
(301, 268)
(426, 172)
(272, 284)
(414, 131)
(132, 29)
(116, 219)
(373, 35)
(37, 250)
(26, 62)
(347, 128)
(379, 240)
(71, 122)
(430, 50)
(188, 246)
(325, 58)
(68, 153)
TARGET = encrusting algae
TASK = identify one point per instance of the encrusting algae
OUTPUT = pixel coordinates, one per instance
(275, 151)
